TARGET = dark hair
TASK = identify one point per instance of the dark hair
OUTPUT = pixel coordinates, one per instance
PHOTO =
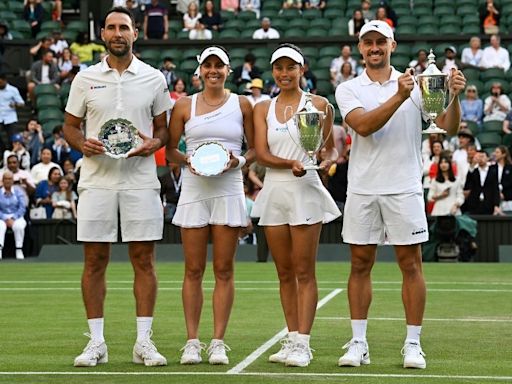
(432, 146)
(13, 155)
(51, 171)
(250, 58)
(81, 36)
(289, 45)
(3, 76)
(504, 149)
(176, 82)
(439, 176)
(124, 10)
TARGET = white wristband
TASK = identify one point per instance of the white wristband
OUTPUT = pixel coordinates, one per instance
(241, 162)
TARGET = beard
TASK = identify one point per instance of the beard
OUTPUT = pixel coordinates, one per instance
(118, 52)
(382, 64)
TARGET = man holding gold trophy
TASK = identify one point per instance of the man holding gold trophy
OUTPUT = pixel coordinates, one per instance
(384, 199)
(124, 103)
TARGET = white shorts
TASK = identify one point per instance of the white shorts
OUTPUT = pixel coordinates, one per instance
(373, 219)
(140, 211)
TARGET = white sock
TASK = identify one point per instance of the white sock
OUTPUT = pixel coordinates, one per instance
(96, 329)
(413, 333)
(359, 329)
(292, 336)
(143, 327)
(302, 338)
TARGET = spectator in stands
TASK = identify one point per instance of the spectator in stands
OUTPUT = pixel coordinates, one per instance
(338, 180)
(460, 155)
(59, 43)
(76, 67)
(257, 94)
(10, 99)
(366, 9)
(382, 15)
(85, 50)
(490, 13)
(472, 107)
(247, 71)
(252, 6)
(420, 63)
(33, 13)
(18, 149)
(504, 165)
(346, 73)
(191, 19)
(482, 188)
(179, 89)
(472, 55)
(43, 45)
(507, 128)
(69, 173)
(138, 15)
(449, 61)
(315, 4)
(211, 19)
(21, 177)
(43, 71)
(266, 31)
(182, 6)
(63, 201)
(4, 31)
(60, 148)
(308, 79)
(390, 12)
(430, 165)
(229, 5)
(356, 22)
(64, 65)
(292, 4)
(495, 56)
(168, 70)
(497, 104)
(446, 190)
(156, 21)
(40, 170)
(45, 189)
(34, 140)
(337, 62)
(170, 189)
(196, 84)
(12, 211)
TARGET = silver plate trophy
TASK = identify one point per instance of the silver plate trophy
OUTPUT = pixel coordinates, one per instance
(119, 136)
(433, 88)
(209, 159)
(310, 123)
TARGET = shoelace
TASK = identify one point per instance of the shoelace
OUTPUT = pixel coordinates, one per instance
(356, 344)
(286, 343)
(92, 346)
(193, 347)
(300, 348)
(217, 347)
(147, 345)
(414, 347)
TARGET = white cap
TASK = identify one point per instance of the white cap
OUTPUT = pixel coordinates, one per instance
(378, 26)
(287, 52)
(216, 51)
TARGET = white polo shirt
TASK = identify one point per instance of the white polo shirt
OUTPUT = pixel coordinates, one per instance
(389, 160)
(99, 94)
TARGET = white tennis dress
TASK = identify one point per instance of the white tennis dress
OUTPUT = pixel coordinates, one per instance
(285, 198)
(217, 200)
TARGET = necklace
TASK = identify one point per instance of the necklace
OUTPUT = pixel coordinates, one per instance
(213, 105)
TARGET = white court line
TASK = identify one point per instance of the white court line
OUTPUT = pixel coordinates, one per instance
(260, 374)
(468, 320)
(267, 345)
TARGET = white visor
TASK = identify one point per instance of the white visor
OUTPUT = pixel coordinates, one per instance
(287, 52)
(213, 51)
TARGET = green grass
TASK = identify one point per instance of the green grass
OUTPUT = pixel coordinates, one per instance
(467, 331)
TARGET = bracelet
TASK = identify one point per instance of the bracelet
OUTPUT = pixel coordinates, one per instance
(241, 161)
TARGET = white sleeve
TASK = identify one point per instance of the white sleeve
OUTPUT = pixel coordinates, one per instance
(162, 101)
(346, 99)
(506, 60)
(77, 103)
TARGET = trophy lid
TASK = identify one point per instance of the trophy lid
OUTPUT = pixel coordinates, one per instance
(432, 69)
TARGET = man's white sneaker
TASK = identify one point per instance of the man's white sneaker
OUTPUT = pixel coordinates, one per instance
(217, 352)
(19, 254)
(144, 352)
(414, 357)
(95, 352)
(192, 352)
(299, 356)
(282, 354)
(357, 354)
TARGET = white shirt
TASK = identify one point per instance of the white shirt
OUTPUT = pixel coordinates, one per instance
(40, 171)
(45, 77)
(59, 46)
(460, 157)
(495, 58)
(472, 59)
(254, 101)
(389, 160)
(271, 33)
(99, 94)
(337, 62)
(483, 174)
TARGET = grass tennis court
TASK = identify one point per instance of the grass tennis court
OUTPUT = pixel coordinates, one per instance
(467, 333)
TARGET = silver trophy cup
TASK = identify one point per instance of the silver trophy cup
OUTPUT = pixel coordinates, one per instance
(310, 123)
(433, 89)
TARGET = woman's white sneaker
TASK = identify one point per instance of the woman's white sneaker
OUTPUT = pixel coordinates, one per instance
(300, 355)
(357, 354)
(217, 352)
(414, 357)
(192, 352)
(281, 355)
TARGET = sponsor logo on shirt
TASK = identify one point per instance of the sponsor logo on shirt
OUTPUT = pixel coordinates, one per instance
(281, 129)
(98, 86)
(418, 231)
